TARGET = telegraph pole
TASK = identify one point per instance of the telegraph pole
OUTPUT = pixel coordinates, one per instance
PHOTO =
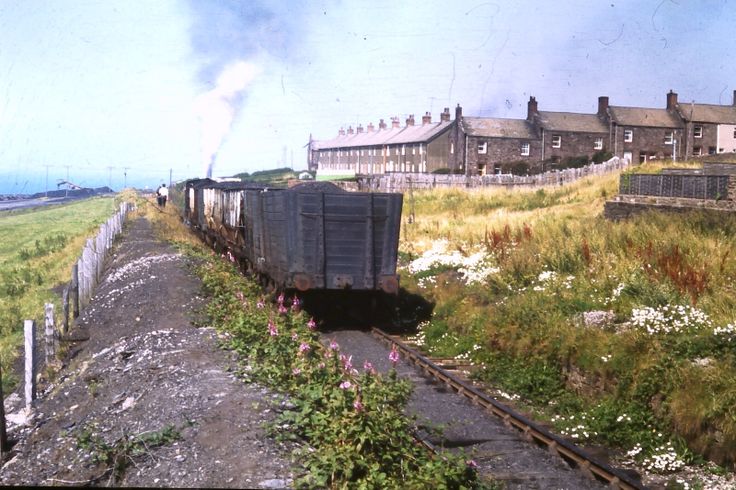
(170, 171)
(47, 179)
(66, 193)
(109, 176)
(125, 177)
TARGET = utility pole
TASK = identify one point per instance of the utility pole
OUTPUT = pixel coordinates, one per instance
(125, 177)
(66, 193)
(109, 176)
(47, 179)
(170, 171)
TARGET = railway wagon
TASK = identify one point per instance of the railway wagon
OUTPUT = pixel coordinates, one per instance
(314, 236)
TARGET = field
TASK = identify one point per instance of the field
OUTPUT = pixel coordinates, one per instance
(615, 333)
(37, 251)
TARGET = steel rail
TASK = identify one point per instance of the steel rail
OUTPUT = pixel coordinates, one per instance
(534, 432)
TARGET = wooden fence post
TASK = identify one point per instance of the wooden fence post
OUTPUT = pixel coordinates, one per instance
(65, 310)
(74, 289)
(49, 334)
(29, 330)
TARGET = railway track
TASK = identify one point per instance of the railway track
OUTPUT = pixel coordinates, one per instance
(499, 444)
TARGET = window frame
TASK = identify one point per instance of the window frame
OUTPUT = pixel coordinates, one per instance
(598, 144)
(669, 138)
(628, 135)
(482, 147)
(525, 149)
(556, 141)
(697, 131)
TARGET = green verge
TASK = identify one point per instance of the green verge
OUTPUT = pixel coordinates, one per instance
(37, 250)
(352, 420)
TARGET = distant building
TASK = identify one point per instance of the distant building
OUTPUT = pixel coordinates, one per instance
(544, 140)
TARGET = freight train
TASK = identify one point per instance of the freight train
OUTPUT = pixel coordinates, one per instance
(314, 236)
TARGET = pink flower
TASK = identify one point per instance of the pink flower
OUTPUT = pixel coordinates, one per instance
(304, 347)
(294, 336)
(296, 371)
(260, 305)
(282, 310)
(272, 328)
(311, 325)
(280, 299)
(369, 367)
(321, 365)
(393, 356)
(358, 406)
(347, 362)
(471, 463)
(346, 385)
(334, 345)
(295, 304)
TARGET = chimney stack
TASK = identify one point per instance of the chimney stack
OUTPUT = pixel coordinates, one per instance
(458, 113)
(410, 120)
(671, 100)
(381, 125)
(341, 132)
(350, 130)
(370, 127)
(427, 117)
(359, 129)
(445, 116)
(602, 105)
(531, 108)
(734, 97)
(395, 122)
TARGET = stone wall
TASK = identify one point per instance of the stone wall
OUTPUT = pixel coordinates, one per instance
(625, 207)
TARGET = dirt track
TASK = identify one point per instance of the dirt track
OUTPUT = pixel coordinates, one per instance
(144, 367)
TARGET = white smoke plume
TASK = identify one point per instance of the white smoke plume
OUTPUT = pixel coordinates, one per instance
(216, 109)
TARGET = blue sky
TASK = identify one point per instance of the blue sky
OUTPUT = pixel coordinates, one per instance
(106, 91)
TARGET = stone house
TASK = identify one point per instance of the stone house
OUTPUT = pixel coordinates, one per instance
(495, 143)
(708, 129)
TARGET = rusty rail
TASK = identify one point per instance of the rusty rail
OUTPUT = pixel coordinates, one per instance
(534, 432)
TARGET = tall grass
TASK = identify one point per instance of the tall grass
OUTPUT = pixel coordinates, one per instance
(37, 251)
(556, 261)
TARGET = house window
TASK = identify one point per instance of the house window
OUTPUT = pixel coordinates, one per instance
(669, 138)
(525, 149)
(556, 141)
(452, 147)
(734, 133)
(598, 144)
(711, 150)
(697, 151)
(628, 135)
(698, 132)
(482, 148)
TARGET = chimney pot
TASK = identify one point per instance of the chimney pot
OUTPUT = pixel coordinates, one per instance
(410, 120)
(602, 105)
(381, 125)
(341, 132)
(671, 100)
(426, 118)
(350, 130)
(734, 97)
(445, 116)
(531, 108)
(370, 127)
(458, 113)
(359, 129)
(395, 122)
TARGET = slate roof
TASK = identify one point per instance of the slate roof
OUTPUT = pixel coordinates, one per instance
(493, 127)
(708, 113)
(419, 133)
(641, 116)
(570, 121)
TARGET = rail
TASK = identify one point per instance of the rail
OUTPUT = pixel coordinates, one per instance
(554, 443)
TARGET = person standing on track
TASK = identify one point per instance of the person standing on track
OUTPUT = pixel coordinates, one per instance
(163, 195)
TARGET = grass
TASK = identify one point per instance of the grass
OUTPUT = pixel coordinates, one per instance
(37, 252)
(550, 260)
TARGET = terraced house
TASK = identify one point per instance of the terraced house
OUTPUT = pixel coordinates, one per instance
(544, 140)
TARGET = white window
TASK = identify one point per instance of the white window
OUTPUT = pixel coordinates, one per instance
(598, 144)
(628, 135)
(556, 141)
(525, 149)
(697, 151)
(482, 148)
(452, 147)
(669, 138)
(698, 132)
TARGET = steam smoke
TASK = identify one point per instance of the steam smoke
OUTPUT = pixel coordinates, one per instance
(216, 109)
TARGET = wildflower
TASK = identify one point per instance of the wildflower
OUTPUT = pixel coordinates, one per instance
(334, 345)
(369, 367)
(260, 305)
(282, 310)
(295, 304)
(272, 329)
(393, 356)
(357, 405)
(311, 325)
(346, 385)
(304, 347)
(296, 371)
(347, 362)
(280, 299)
(471, 463)
(294, 336)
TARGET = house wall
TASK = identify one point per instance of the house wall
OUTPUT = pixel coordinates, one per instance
(573, 144)
(498, 151)
(648, 141)
(438, 152)
(727, 138)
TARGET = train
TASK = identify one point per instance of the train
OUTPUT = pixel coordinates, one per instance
(314, 236)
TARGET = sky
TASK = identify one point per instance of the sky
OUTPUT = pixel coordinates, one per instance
(136, 93)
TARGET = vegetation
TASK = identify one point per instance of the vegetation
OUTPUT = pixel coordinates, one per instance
(618, 333)
(37, 251)
(275, 177)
